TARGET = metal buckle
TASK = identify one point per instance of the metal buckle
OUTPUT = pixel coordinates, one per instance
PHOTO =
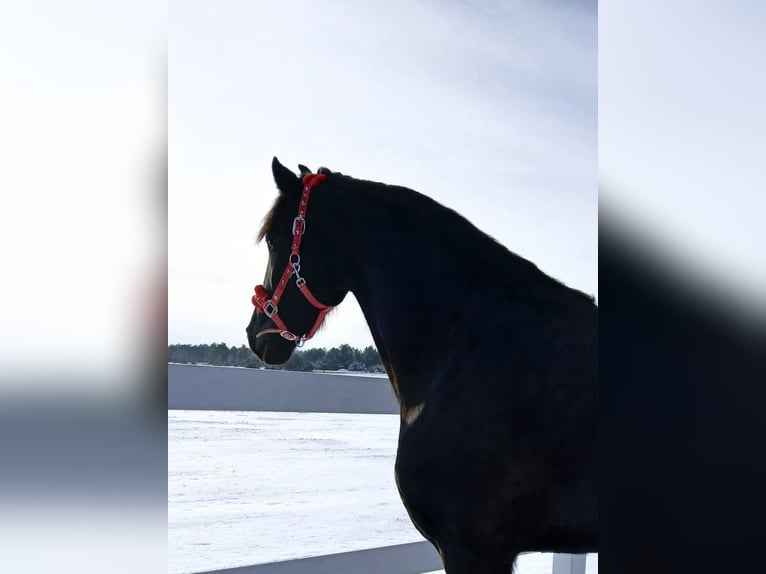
(299, 230)
(300, 282)
(269, 309)
(294, 338)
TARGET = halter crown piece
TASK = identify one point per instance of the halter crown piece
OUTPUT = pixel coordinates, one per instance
(269, 305)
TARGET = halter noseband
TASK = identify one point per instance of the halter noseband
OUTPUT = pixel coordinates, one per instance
(269, 305)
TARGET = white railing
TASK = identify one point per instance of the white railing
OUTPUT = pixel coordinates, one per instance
(413, 558)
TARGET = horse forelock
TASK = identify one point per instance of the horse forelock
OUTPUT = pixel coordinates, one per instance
(268, 221)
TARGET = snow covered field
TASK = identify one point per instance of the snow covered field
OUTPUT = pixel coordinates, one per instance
(252, 487)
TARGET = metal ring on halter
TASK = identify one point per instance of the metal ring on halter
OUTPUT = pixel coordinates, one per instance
(269, 309)
(297, 261)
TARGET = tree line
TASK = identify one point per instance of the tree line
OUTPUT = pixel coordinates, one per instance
(321, 359)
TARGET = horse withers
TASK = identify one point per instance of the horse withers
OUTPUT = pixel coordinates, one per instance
(493, 363)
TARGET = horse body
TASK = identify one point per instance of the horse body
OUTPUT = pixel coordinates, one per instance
(493, 364)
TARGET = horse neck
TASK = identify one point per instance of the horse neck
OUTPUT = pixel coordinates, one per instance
(402, 306)
(402, 277)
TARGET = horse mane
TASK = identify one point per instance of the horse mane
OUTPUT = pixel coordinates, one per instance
(462, 236)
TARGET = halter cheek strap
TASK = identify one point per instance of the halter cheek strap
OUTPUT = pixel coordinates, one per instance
(269, 305)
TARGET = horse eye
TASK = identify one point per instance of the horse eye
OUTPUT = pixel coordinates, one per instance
(270, 244)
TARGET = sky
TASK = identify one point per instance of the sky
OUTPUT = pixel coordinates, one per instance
(490, 108)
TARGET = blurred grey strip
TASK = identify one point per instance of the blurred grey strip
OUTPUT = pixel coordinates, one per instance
(196, 387)
(81, 447)
(413, 558)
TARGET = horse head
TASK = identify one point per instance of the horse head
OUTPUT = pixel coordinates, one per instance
(301, 285)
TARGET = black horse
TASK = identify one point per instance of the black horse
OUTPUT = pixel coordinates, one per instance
(493, 363)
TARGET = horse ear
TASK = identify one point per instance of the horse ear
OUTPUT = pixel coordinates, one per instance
(303, 169)
(286, 180)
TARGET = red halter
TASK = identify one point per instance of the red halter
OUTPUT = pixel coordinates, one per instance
(269, 306)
